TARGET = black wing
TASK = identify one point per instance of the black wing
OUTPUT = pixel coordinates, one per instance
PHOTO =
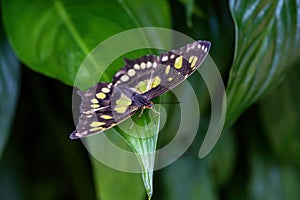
(153, 75)
(107, 104)
(175, 66)
(99, 112)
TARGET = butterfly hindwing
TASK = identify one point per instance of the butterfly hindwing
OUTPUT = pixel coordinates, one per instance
(98, 110)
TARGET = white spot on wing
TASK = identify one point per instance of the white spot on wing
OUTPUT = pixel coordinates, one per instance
(149, 64)
(136, 66)
(164, 58)
(105, 90)
(124, 78)
(131, 72)
(143, 65)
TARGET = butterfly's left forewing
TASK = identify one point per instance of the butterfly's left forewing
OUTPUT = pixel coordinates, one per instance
(98, 109)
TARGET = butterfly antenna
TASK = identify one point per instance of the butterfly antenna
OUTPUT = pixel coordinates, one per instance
(168, 102)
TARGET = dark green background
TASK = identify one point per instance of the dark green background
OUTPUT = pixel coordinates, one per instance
(255, 44)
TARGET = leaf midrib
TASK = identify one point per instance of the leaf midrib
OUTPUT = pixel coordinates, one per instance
(59, 7)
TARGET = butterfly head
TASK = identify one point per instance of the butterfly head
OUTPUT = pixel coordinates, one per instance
(149, 105)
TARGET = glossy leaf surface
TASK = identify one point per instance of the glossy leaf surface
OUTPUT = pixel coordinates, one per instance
(267, 41)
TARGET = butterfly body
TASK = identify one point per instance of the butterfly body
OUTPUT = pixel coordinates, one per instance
(141, 101)
(134, 86)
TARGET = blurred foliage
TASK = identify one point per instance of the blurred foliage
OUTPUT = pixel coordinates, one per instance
(283, 129)
(255, 44)
(9, 88)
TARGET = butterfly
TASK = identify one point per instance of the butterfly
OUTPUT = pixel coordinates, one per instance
(134, 86)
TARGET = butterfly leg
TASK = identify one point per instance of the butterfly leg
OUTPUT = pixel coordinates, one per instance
(155, 111)
(131, 126)
(141, 111)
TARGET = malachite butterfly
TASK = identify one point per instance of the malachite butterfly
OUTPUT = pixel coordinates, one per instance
(134, 86)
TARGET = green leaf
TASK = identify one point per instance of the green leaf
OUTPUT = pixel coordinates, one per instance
(280, 113)
(114, 184)
(54, 37)
(140, 135)
(142, 138)
(9, 89)
(267, 42)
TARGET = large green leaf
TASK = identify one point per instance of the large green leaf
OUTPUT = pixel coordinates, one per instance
(116, 184)
(53, 37)
(267, 41)
(9, 89)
